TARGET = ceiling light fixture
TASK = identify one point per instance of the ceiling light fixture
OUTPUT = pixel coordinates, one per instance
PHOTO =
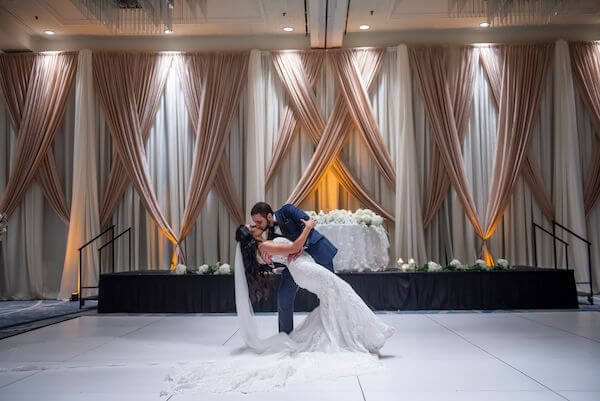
(484, 24)
(288, 29)
(364, 27)
(49, 32)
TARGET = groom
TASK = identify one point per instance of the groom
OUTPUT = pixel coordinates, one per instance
(287, 222)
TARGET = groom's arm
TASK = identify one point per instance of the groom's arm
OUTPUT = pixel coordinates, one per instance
(295, 213)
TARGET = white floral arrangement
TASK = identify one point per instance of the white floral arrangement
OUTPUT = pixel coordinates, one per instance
(364, 217)
(205, 269)
(3, 225)
(454, 265)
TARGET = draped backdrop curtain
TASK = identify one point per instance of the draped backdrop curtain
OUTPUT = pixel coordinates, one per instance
(212, 86)
(523, 74)
(35, 90)
(129, 87)
(460, 148)
(586, 66)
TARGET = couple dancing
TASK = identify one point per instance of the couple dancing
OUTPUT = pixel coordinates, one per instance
(340, 337)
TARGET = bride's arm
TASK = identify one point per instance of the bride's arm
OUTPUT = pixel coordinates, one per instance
(277, 248)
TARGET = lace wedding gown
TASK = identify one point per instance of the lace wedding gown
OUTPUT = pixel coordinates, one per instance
(338, 338)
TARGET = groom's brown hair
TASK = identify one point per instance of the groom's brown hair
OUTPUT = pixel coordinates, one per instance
(261, 208)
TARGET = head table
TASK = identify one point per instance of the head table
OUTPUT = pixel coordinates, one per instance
(360, 247)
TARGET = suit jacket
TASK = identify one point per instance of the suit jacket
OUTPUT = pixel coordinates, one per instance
(289, 218)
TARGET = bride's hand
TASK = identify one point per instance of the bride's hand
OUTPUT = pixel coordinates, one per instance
(310, 224)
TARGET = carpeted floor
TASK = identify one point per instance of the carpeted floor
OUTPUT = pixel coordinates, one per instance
(19, 316)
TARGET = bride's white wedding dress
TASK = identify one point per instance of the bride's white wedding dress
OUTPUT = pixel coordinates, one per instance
(340, 337)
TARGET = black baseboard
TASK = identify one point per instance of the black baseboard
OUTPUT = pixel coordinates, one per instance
(522, 288)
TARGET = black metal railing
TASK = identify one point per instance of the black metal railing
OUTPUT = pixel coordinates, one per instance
(111, 242)
(555, 239)
(82, 299)
(589, 254)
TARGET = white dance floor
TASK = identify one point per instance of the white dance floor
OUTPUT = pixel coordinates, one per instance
(512, 356)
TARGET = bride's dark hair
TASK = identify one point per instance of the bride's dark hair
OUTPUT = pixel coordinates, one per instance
(259, 284)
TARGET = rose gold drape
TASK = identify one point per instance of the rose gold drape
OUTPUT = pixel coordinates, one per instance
(36, 104)
(491, 60)
(523, 83)
(429, 64)
(149, 74)
(359, 107)
(128, 86)
(461, 65)
(329, 136)
(212, 84)
(311, 63)
(194, 75)
(585, 58)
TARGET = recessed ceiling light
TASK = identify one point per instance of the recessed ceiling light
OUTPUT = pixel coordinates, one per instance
(49, 32)
(168, 31)
(484, 24)
(288, 29)
(364, 27)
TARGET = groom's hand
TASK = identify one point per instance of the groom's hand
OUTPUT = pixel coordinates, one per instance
(266, 257)
(294, 256)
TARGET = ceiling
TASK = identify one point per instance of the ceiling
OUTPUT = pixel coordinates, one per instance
(329, 22)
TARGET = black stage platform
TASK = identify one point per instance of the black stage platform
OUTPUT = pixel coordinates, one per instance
(158, 291)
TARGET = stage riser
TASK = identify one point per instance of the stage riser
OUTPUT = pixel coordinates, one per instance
(156, 292)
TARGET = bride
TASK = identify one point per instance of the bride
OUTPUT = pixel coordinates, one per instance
(340, 337)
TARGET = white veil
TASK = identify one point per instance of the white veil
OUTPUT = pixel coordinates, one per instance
(248, 324)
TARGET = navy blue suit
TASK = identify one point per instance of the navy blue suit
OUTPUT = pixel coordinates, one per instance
(289, 218)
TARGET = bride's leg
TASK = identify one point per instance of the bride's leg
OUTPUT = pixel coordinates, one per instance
(286, 295)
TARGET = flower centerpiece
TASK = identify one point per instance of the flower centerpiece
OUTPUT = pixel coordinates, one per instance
(205, 269)
(363, 217)
(454, 265)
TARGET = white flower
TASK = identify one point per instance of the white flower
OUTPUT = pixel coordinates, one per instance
(502, 262)
(377, 220)
(405, 267)
(433, 267)
(412, 263)
(224, 269)
(480, 263)
(455, 263)
(203, 269)
(400, 262)
(180, 269)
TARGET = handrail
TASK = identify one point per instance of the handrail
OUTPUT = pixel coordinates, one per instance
(81, 281)
(114, 239)
(554, 239)
(549, 233)
(96, 237)
(571, 232)
(126, 231)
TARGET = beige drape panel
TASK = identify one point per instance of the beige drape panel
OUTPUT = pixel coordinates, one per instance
(15, 72)
(212, 84)
(429, 64)
(491, 60)
(149, 74)
(309, 63)
(331, 136)
(461, 64)
(36, 104)
(128, 86)
(359, 106)
(523, 81)
(586, 65)
(194, 87)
